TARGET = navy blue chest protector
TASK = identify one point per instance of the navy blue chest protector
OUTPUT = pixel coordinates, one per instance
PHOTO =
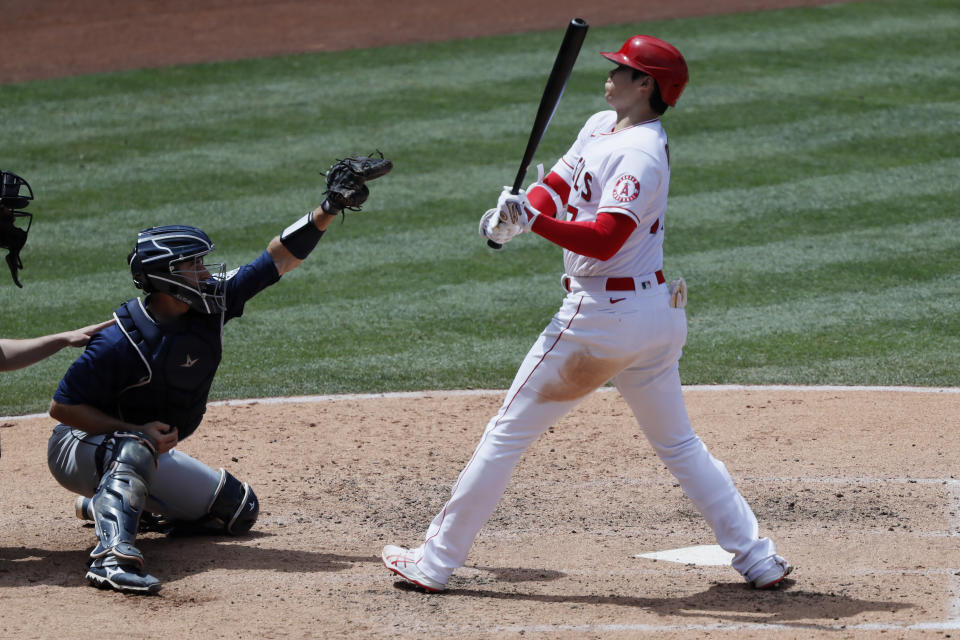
(180, 359)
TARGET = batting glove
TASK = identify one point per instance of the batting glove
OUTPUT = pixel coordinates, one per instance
(515, 208)
(494, 227)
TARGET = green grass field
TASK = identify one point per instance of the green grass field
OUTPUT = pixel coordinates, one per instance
(815, 208)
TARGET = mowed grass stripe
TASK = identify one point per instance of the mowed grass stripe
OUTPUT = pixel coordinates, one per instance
(805, 225)
(760, 33)
(686, 214)
(843, 356)
(816, 133)
(821, 192)
(908, 241)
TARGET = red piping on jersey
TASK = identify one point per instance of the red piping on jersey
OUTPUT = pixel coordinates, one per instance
(505, 410)
(638, 124)
(599, 239)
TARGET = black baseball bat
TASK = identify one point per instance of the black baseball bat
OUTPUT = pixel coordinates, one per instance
(556, 83)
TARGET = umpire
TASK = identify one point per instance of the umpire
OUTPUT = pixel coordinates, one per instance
(15, 195)
(141, 386)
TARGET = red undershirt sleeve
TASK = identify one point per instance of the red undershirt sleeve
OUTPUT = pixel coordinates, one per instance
(600, 239)
(542, 201)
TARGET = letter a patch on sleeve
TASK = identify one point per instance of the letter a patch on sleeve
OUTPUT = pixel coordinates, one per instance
(627, 188)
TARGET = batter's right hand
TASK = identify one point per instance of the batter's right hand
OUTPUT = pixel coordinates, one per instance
(162, 434)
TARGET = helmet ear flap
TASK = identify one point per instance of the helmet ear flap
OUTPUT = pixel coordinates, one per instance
(136, 270)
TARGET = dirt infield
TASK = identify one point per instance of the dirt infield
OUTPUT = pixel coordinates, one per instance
(858, 488)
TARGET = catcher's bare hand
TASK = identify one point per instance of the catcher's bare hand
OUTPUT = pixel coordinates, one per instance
(347, 178)
(163, 435)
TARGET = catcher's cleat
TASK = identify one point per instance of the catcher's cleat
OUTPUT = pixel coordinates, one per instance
(773, 575)
(403, 562)
(106, 573)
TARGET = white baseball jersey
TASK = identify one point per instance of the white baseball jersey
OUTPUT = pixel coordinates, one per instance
(625, 172)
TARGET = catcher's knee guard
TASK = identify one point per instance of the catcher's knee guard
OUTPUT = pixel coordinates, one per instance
(233, 509)
(122, 495)
(235, 506)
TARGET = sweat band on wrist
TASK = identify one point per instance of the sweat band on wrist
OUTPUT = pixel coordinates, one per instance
(301, 237)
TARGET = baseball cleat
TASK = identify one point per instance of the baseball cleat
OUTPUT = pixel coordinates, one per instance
(105, 573)
(773, 575)
(403, 563)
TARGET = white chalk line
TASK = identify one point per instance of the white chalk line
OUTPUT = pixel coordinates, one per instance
(488, 392)
(720, 626)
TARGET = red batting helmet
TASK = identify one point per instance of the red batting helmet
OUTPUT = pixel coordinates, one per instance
(657, 58)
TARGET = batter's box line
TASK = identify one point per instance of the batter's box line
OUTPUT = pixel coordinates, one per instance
(949, 625)
(852, 480)
(487, 392)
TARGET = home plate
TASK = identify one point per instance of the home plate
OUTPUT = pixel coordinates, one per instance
(704, 554)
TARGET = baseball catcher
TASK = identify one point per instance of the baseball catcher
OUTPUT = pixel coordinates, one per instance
(15, 195)
(141, 386)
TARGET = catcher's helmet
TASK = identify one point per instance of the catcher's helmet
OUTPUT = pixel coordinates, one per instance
(169, 260)
(656, 58)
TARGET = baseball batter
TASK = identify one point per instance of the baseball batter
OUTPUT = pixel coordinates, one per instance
(141, 387)
(604, 203)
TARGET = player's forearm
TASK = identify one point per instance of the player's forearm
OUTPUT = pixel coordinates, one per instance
(88, 418)
(599, 239)
(16, 354)
(299, 238)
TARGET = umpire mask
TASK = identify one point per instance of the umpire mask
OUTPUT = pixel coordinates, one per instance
(15, 193)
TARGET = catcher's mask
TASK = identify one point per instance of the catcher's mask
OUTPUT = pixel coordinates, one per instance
(169, 260)
(15, 194)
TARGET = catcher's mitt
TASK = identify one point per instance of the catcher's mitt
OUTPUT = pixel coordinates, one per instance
(346, 188)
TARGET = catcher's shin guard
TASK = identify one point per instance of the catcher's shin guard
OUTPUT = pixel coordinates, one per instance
(122, 495)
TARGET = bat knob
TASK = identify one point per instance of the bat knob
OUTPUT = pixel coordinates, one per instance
(494, 245)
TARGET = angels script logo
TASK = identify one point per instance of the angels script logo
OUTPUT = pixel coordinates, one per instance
(627, 188)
